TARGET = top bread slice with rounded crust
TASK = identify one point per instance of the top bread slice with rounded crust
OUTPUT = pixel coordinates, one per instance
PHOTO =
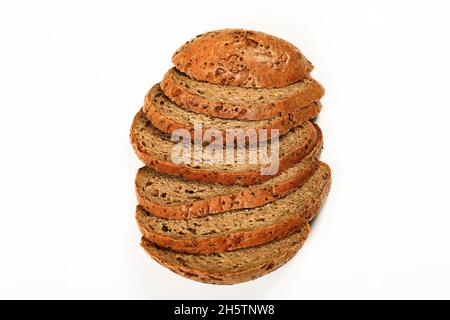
(239, 103)
(155, 148)
(244, 58)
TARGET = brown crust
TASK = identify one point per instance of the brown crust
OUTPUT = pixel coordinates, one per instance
(228, 242)
(240, 239)
(228, 278)
(237, 57)
(256, 111)
(250, 198)
(283, 123)
(227, 178)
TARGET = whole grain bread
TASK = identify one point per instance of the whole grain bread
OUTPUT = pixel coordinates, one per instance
(239, 228)
(172, 197)
(230, 267)
(154, 148)
(237, 57)
(168, 117)
(240, 103)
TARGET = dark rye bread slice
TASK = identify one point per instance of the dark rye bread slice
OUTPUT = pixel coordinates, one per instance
(167, 117)
(154, 148)
(172, 197)
(230, 267)
(244, 58)
(239, 228)
(241, 103)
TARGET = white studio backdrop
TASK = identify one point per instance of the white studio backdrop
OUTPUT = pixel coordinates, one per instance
(72, 75)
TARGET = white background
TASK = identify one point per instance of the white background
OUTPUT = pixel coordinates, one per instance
(72, 75)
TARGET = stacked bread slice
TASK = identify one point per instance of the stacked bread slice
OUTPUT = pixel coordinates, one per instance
(225, 222)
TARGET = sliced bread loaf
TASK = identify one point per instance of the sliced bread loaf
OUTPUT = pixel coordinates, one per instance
(230, 267)
(167, 117)
(172, 197)
(155, 148)
(239, 228)
(241, 103)
(237, 57)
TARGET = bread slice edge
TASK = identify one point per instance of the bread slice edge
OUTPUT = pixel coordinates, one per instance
(255, 111)
(227, 278)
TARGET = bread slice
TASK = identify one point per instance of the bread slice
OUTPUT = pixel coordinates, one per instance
(167, 117)
(155, 148)
(245, 58)
(172, 197)
(230, 267)
(239, 228)
(243, 103)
